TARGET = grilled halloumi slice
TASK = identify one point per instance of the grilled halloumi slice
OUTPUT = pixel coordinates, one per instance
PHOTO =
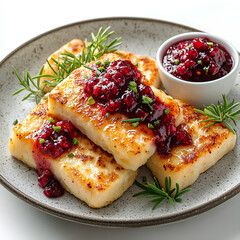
(186, 163)
(146, 65)
(131, 147)
(92, 175)
(75, 47)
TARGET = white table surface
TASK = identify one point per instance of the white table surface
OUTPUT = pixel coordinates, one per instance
(23, 20)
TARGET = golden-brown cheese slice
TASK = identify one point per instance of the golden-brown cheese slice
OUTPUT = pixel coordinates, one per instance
(92, 175)
(131, 147)
(75, 47)
(186, 163)
(146, 65)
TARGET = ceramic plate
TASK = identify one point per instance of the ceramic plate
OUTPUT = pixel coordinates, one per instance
(141, 36)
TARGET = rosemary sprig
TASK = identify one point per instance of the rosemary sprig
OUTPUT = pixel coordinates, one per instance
(159, 194)
(63, 70)
(221, 113)
(25, 81)
(66, 63)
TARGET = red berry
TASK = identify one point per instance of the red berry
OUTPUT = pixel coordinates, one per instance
(181, 45)
(190, 64)
(45, 178)
(52, 188)
(197, 43)
(182, 70)
(193, 54)
(217, 56)
(214, 68)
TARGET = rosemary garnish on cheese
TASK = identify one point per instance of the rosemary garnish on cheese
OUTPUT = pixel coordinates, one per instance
(66, 63)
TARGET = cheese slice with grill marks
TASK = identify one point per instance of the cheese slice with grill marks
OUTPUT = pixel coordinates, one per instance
(186, 163)
(92, 175)
(131, 147)
(146, 65)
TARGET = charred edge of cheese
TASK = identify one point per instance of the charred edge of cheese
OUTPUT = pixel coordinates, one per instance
(92, 175)
(186, 163)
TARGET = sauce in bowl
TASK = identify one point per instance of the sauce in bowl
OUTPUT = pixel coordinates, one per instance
(197, 60)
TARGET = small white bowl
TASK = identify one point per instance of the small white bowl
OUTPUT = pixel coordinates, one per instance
(197, 93)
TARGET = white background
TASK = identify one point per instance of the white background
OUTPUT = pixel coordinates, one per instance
(23, 20)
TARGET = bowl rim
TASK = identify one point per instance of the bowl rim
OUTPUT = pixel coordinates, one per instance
(190, 35)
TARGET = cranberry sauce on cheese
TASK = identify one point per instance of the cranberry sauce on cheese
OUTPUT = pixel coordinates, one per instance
(116, 86)
(53, 139)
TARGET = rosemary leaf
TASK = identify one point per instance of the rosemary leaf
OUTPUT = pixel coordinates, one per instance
(228, 126)
(159, 194)
(20, 90)
(210, 124)
(177, 195)
(29, 85)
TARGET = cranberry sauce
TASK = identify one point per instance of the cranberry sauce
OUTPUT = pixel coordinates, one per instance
(53, 139)
(52, 187)
(116, 87)
(197, 60)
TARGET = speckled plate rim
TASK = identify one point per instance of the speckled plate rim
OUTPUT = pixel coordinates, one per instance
(113, 223)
